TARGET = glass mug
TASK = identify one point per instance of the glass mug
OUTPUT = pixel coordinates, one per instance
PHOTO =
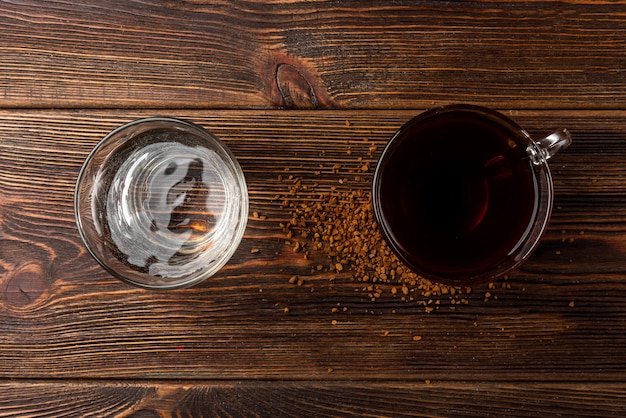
(462, 194)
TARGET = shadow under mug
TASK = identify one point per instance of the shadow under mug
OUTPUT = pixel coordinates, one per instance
(462, 194)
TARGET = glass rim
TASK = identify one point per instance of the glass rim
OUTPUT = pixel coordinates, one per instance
(529, 240)
(230, 161)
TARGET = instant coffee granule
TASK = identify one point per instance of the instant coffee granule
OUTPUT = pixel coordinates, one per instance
(337, 221)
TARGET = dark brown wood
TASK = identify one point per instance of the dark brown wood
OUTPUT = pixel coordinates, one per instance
(303, 90)
(238, 54)
(62, 316)
(298, 399)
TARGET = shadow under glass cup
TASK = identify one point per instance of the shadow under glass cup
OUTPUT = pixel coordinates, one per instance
(161, 203)
(462, 194)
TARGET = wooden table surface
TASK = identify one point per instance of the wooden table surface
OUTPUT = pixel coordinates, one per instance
(307, 93)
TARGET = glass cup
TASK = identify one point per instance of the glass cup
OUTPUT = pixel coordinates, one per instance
(462, 194)
(161, 203)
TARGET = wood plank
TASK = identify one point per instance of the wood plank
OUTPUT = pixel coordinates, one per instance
(298, 399)
(239, 54)
(561, 317)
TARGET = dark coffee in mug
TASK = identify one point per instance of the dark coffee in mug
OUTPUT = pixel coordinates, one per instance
(457, 193)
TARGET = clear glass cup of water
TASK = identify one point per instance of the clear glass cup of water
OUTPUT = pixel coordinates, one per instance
(161, 203)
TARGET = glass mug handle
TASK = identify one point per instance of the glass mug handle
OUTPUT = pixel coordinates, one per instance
(551, 144)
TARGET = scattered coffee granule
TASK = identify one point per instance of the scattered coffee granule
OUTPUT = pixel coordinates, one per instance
(338, 223)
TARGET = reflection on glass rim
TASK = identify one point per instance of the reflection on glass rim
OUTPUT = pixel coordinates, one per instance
(161, 203)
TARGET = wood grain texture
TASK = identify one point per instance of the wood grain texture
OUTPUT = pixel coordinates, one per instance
(323, 54)
(61, 316)
(549, 340)
(299, 399)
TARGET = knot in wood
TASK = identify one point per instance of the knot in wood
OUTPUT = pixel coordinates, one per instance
(296, 91)
(26, 285)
